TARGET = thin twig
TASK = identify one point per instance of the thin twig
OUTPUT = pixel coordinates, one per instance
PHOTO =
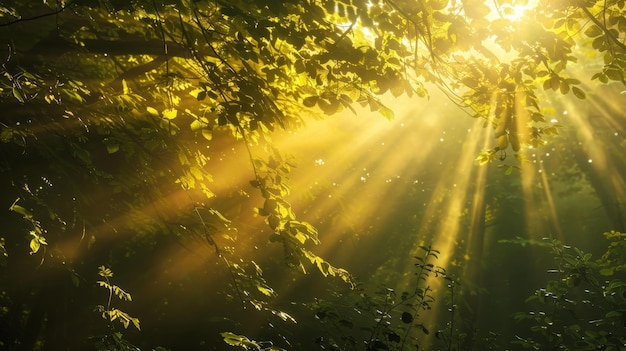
(22, 19)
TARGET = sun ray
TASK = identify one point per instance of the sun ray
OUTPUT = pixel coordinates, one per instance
(547, 193)
(598, 127)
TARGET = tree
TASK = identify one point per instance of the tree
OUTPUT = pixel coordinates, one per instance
(112, 109)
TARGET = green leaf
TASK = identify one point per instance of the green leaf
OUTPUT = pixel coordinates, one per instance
(612, 314)
(267, 291)
(387, 112)
(34, 245)
(608, 271)
(579, 93)
(152, 111)
(112, 148)
(310, 101)
(614, 74)
(105, 272)
(239, 340)
(593, 31)
(18, 95)
(21, 210)
(300, 237)
(125, 89)
(197, 124)
(207, 134)
(201, 95)
(170, 113)
(135, 322)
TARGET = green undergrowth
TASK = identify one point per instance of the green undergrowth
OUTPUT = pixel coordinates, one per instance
(581, 307)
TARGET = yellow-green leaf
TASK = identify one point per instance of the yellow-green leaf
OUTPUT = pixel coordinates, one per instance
(135, 323)
(196, 172)
(105, 272)
(18, 95)
(34, 245)
(301, 237)
(265, 290)
(387, 112)
(240, 340)
(207, 134)
(125, 87)
(153, 111)
(113, 148)
(170, 113)
(21, 210)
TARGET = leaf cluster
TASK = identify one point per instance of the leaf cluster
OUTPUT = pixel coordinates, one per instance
(384, 319)
(294, 235)
(583, 306)
(109, 313)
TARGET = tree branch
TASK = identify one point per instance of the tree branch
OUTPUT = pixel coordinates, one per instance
(603, 27)
(21, 19)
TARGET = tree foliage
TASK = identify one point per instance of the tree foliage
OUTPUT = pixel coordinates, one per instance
(111, 106)
(582, 307)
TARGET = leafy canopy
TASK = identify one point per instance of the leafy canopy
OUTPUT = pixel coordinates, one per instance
(133, 96)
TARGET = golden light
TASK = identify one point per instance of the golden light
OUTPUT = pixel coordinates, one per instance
(356, 172)
(516, 12)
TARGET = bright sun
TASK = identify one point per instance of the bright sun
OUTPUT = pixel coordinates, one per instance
(517, 12)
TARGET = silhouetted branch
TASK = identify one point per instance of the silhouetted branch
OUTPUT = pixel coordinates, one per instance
(38, 16)
(604, 29)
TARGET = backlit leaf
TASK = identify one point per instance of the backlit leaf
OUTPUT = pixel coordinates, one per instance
(239, 340)
(579, 93)
(34, 246)
(207, 134)
(170, 113)
(387, 112)
(18, 95)
(265, 290)
(152, 111)
(125, 89)
(21, 210)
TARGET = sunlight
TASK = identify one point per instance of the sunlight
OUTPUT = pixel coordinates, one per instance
(594, 128)
(352, 159)
(599, 126)
(306, 175)
(354, 174)
(459, 208)
(551, 204)
(359, 169)
(513, 10)
(516, 12)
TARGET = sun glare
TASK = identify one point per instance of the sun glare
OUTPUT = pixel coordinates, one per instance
(517, 12)
(409, 182)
